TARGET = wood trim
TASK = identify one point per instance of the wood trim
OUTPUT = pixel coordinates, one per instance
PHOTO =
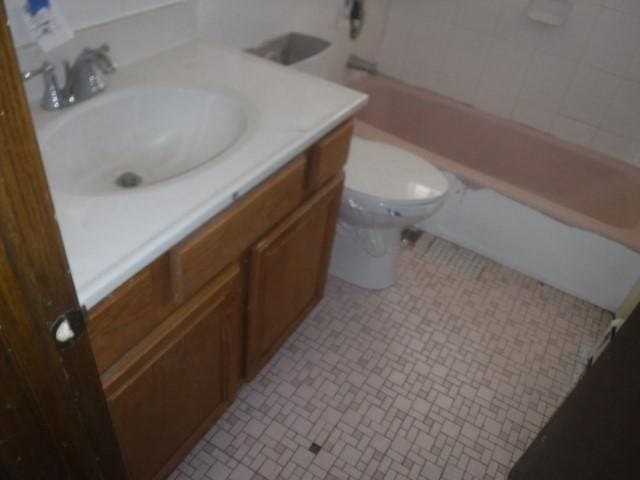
(60, 391)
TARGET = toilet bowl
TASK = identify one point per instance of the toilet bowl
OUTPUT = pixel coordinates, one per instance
(386, 190)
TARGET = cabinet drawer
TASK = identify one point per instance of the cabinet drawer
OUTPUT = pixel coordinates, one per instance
(175, 383)
(121, 320)
(198, 258)
(328, 156)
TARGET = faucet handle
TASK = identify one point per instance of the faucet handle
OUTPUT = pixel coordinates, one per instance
(86, 72)
(99, 57)
(47, 67)
(103, 60)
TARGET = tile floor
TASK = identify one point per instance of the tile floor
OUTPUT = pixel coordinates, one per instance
(447, 375)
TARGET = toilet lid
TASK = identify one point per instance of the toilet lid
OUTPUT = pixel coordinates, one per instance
(389, 172)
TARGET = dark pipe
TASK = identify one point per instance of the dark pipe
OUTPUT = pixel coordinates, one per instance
(356, 18)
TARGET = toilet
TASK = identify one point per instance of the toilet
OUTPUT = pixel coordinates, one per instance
(386, 190)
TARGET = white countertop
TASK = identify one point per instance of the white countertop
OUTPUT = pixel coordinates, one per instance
(110, 237)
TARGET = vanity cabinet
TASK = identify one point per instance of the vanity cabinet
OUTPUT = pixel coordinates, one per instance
(178, 377)
(288, 271)
(174, 343)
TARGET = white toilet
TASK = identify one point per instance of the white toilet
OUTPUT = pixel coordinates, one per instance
(386, 189)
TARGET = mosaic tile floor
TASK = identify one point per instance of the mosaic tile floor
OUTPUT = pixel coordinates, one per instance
(447, 375)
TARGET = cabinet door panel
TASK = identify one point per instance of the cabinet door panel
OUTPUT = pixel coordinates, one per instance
(178, 379)
(288, 272)
(292, 267)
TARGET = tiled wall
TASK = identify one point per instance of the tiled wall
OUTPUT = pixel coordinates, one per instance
(580, 82)
(245, 23)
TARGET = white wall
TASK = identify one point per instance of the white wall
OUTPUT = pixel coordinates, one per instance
(134, 29)
(580, 82)
(138, 28)
(245, 23)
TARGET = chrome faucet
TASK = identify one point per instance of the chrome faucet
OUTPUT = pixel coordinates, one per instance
(54, 97)
(83, 79)
(86, 73)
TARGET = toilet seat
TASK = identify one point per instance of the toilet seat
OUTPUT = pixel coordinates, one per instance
(391, 174)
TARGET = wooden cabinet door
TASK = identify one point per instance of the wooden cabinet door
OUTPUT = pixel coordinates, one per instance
(288, 271)
(178, 380)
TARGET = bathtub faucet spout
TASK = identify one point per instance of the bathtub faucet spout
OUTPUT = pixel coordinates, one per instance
(363, 65)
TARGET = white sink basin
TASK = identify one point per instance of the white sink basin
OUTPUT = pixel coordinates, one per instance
(139, 137)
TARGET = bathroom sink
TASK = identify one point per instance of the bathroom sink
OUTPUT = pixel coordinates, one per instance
(139, 137)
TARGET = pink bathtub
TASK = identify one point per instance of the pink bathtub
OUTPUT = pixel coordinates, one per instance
(572, 184)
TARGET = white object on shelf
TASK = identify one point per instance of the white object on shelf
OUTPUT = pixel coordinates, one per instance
(549, 12)
(46, 24)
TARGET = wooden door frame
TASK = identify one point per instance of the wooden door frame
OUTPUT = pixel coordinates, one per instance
(53, 414)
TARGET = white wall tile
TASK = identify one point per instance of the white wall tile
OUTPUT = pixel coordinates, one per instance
(565, 80)
(613, 41)
(83, 13)
(428, 45)
(394, 45)
(514, 25)
(497, 102)
(241, 23)
(135, 6)
(633, 72)
(533, 114)
(318, 17)
(625, 6)
(478, 15)
(435, 10)
(431, 80)
(462, 89)
(505, 67)
(466, 54)
(570, 40)
(635, 157)
(573, 131)
(589, 95)
(623, 115)
(546, 81)
(614, 146)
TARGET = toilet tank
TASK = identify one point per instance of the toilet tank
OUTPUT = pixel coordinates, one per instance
(298, 50)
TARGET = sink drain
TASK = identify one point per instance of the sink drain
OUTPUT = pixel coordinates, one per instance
(129, 180)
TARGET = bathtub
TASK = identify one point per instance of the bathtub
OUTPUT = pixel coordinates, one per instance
(561, 213)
